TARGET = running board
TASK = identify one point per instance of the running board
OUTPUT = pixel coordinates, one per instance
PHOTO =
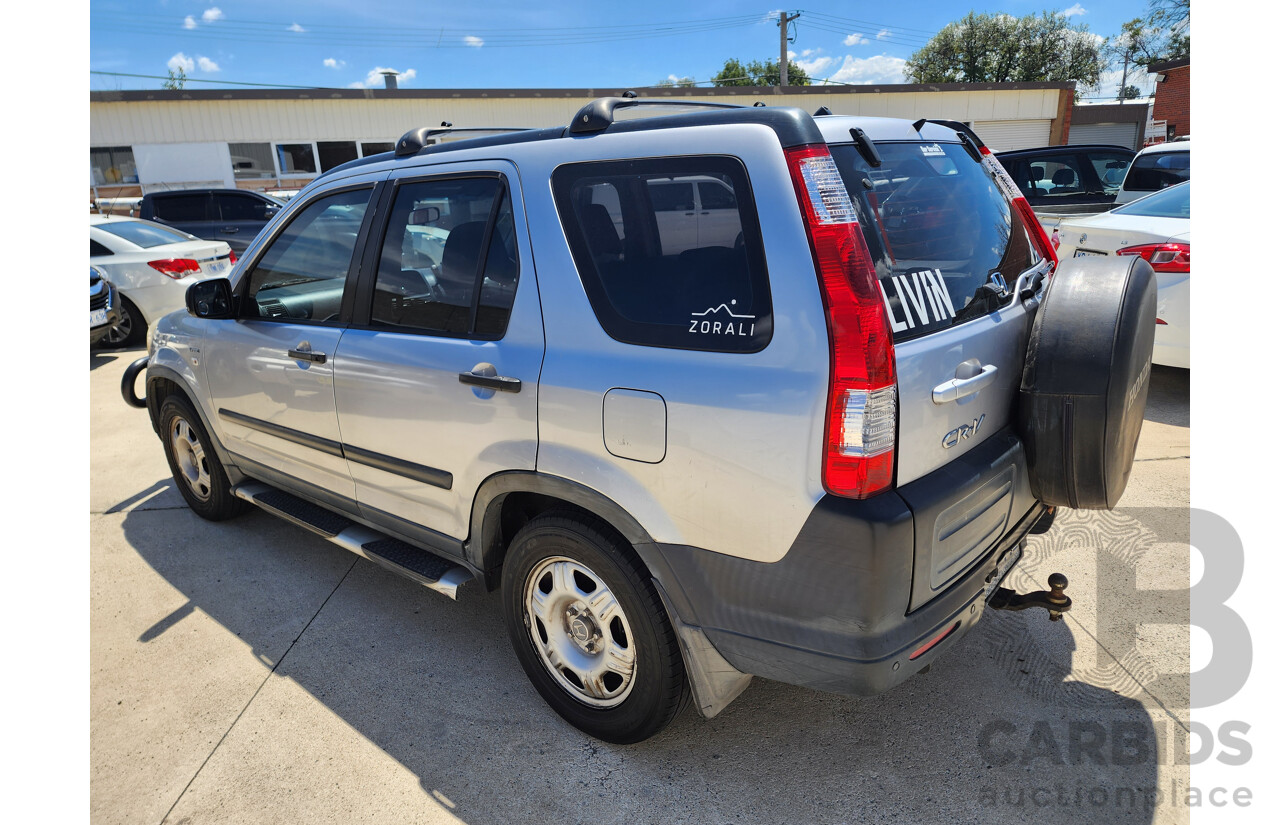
(423, 567)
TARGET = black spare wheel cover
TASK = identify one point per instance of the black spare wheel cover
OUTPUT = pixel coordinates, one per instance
(1085, 381)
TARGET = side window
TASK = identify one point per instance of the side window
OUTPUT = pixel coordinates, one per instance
(1060, 175)
(303, 273)
(716, 196)
(448, 264)
(655, 278)
(1110, 167)
(96, 249)
(182, 207)
(241, 208)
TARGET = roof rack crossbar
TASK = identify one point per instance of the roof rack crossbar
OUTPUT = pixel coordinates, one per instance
(597, 115)
(412, 141)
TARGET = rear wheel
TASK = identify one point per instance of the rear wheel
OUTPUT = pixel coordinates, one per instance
(131, 328)
(590, 630)
(196, 469)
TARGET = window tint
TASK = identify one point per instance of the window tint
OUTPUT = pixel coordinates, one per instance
(1110, 168)
(434, 257)
(96, 249)
(302, 274)
(145, 234)
(1059, 176)
(335, 153)
(241, 207)
(1158, 170)
(716, 196)
(664, 278)
(938, 228)
(182, 207)
(1173, 202)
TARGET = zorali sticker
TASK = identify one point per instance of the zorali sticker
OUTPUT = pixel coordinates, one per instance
(721, 320)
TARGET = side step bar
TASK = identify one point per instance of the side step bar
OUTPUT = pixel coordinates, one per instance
(423, 567)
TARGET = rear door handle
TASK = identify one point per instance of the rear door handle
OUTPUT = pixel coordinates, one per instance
(231, 230)
(958, 388)
(501, 383)
(307, 355)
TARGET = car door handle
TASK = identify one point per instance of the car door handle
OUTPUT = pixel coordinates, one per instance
(501, 383)
(231, 230)
(307, 355)
(958, 388)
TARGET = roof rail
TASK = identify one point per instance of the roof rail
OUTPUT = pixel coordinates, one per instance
(412, 141)
(597, 115)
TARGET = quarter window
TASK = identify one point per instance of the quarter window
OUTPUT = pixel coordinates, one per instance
(301, 276)
(449, 264)
(657, 271)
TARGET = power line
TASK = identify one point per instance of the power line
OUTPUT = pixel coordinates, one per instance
(198, 80)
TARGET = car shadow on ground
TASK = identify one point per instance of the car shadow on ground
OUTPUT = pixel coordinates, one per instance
(1169, 399)
(100, 358)
(983, 737)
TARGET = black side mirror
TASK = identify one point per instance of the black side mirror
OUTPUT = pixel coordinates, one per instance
(211, 299)
(270, 212)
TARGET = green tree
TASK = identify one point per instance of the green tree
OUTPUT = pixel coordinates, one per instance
(176, 80)
(1000, 48)
(755, 73)
(1130, 92)
(1172, 18)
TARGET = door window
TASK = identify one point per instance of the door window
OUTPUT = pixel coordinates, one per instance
(242, 207)
(448, 264)
(179, 208)
(302, 274)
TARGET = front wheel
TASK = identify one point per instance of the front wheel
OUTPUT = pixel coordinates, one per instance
(590, 630)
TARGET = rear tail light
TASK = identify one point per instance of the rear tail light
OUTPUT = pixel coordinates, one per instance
(232, 258)
(176, 268)
(861, 424)
(1163, 257)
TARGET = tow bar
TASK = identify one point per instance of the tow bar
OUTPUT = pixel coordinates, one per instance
(1055, 600)
(130, 378)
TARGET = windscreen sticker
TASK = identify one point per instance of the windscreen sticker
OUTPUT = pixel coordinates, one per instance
(917, 299)
(932, 150)
(720, 320)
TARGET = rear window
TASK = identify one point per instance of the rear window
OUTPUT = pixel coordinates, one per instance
(938, 228)
(144, 233)
(1174, 202)
(1158, 170)
(657, 270)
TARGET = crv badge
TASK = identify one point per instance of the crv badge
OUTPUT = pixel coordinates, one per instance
(953, 438)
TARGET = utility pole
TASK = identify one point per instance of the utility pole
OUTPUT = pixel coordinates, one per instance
(784, 20)
(1124, 78)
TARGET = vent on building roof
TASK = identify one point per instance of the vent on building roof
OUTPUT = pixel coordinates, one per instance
(390, 79)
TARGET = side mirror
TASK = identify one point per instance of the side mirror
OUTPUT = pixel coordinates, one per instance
(270, 212)
(211, 299)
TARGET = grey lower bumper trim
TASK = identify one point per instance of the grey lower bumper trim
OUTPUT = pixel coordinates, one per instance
(715, 682)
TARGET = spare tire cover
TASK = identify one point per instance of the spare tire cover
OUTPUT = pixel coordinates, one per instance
(1085, 380)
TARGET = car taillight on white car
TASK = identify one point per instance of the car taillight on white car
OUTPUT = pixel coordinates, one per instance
(862, 407)
(1163, 257)
(176, 268)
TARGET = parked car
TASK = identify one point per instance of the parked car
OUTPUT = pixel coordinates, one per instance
(151, 265)
(808, 449)
(234, 216)
(1155, 168)
(1060, 181)
(1156, 228)
(104, 305)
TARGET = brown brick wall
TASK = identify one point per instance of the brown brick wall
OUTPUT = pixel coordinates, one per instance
(1173, 100)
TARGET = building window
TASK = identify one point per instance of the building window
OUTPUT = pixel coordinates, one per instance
(250, 161)
(368, 148)
(296, 158)
(112, 164)
(335, 153)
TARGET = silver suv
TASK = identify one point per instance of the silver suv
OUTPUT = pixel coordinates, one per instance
(723, 392)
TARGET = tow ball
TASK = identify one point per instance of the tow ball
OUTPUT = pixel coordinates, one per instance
(1055, 599)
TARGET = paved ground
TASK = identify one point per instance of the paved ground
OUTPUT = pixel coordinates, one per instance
(250, 672)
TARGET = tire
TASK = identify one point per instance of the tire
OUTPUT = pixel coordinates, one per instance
(197, 472)
(1085, 381)
(130, 330)
(596, 607)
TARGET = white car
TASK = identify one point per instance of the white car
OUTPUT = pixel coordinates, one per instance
(1157, 227)
(151, 265)
(1154, 168)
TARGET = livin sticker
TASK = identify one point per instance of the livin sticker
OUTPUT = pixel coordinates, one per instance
(923, 293)
(711, 322)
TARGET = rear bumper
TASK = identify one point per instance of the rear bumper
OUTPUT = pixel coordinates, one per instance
(835, 613)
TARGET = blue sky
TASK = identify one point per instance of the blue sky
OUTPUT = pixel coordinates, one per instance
(504, 44)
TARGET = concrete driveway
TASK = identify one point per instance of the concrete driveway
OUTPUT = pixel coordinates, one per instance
(249, 671)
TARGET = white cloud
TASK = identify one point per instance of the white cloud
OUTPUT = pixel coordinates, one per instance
(212, 14)
(330, 63)
(181, 61)
(881, 69)
(816, 67)
(1109, 83)
(883, 34)
(1075, 10)
(374, 80)
(854, 39)
(207, 65)
(296, 28)
(189, 22)
(474, 42)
